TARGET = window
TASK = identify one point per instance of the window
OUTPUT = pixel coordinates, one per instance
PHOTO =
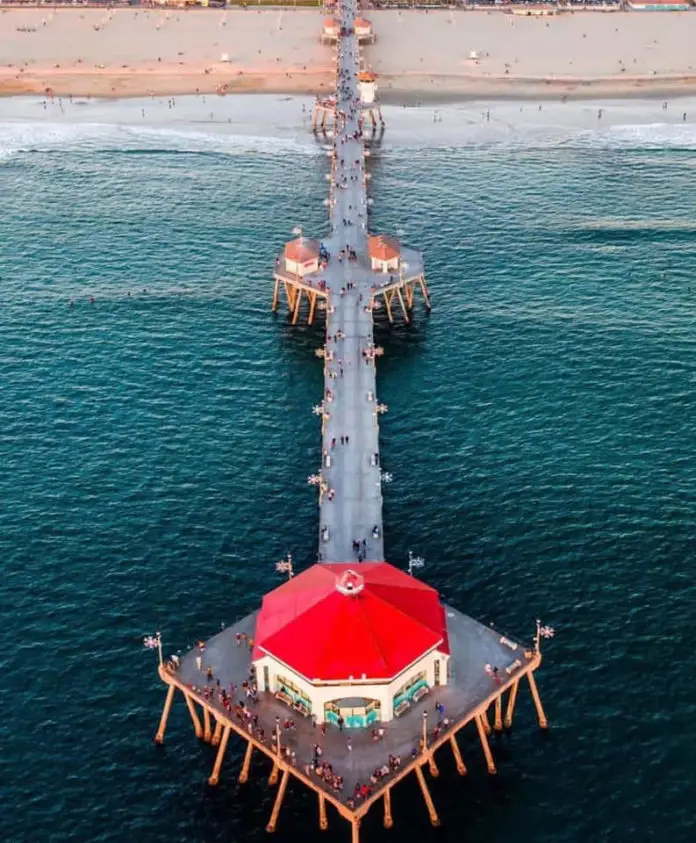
(296, 696)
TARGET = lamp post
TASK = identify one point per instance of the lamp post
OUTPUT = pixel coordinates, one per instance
(542, 632)
(414, 562)
(285, 566)
(425, 730)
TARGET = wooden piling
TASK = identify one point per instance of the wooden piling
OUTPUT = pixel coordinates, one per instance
(403, 306)
(543, 722)
(278, 801)
(461, 766)
(434, 819)
(215, 775)
(388, 820)
(244, 773)
(323, 822)
(511, 704)
(498, 722)
(159, 737)
(194, 716)
(484, 744)
(424, 290)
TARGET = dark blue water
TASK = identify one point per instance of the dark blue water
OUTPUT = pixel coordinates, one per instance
(155, 444)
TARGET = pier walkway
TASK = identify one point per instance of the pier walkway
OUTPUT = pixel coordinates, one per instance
(351, 502)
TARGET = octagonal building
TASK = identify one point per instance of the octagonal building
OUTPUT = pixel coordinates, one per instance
(351, 644)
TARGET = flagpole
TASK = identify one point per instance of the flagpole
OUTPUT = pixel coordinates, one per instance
(159, 649)
(537, 637)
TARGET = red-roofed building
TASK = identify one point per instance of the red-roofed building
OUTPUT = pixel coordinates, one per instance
(384, 252)
(302, 256)
(358, 641)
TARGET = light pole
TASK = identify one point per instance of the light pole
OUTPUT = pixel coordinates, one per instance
(285, 566)
(414, 562)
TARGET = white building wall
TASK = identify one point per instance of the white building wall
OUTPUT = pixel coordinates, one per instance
(301, 268)
(368, 91)
(385, 266)
(321, 694)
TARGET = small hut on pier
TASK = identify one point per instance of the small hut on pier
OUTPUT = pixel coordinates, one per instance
(330, 31)
(364, 31)
(301, 256)
(384, 253)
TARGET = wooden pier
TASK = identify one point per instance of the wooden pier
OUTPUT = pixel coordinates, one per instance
(483, 702)
(471, 673)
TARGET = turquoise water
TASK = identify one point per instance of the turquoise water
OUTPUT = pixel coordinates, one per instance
(155, 444)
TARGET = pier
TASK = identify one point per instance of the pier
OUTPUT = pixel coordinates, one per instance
(352, 675)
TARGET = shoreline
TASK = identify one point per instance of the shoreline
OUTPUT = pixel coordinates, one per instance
(406, 89)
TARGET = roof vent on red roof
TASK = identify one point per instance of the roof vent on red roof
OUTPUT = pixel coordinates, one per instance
(350, 583)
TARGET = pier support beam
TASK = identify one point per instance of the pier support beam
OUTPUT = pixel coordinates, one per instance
(194, 716)
(244, 773)
(485, 722)
(401, 302)
(432, 766)
(461, 766)
(484, 743)
(273, 778)
(159, 737)
(355, 831)
(276, 289)
(217, 734)
(323, 822)
(512, 699)
(434, 819)
(215, 775)
(388, 820)
(289, 295)
(387, 304)
(424, 290)
(543, 722)
(280, 795)
(298, 302)
(312, 305)
(498, 723)
(207, 730)
(408, 289)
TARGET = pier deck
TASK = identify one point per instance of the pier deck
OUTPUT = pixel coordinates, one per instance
(469, 692)
(355, 507)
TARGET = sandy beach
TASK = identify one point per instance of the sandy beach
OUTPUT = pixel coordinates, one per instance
(419, 55)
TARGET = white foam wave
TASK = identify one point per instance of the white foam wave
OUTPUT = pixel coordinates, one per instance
(100, 137)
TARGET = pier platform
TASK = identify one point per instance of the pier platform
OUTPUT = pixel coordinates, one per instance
(472, 696)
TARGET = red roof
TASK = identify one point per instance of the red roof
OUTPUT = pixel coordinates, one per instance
(333, 622)
(383, 248)
(302, 250)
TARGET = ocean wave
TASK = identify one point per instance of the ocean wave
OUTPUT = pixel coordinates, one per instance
(103, 137)
(529, 137)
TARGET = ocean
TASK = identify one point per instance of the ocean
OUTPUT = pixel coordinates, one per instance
(156, 434)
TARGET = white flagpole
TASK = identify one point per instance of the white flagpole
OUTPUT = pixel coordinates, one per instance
(159, 649)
